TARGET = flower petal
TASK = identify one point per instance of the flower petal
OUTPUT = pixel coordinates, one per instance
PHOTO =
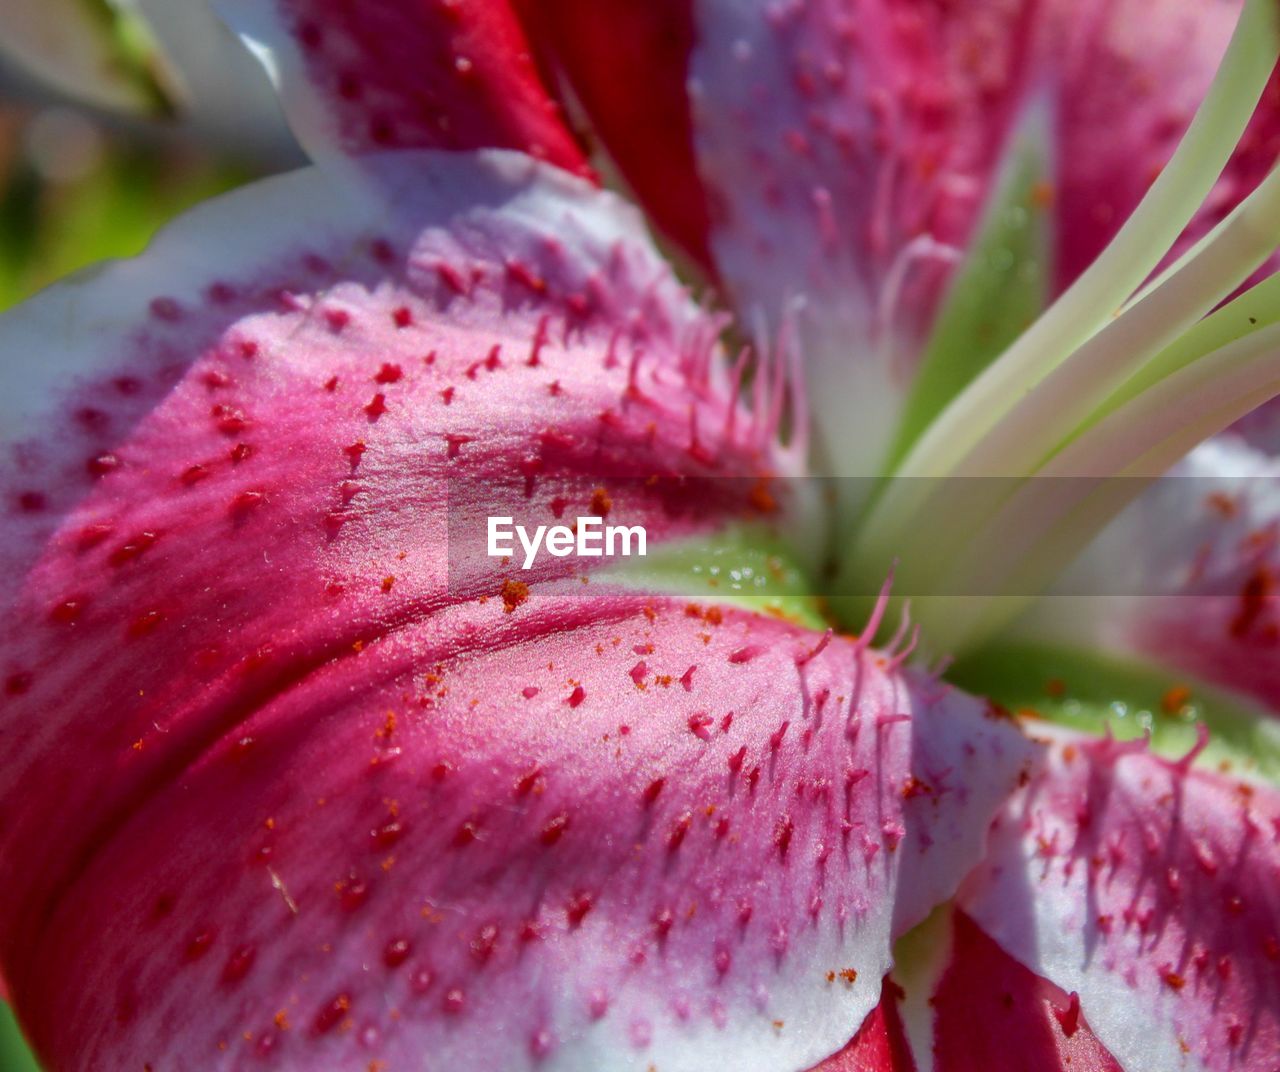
(265, 742)
(357, 78)
(564, 894)
(843, 150)
(850, 151)
(1148, 888)
(1185, 578)
(339, 355)
(1098, 65)
(848, 154)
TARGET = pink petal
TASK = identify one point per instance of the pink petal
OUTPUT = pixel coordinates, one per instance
(993, 1015)
(846, 152)
(561, 892)
(279, 788)
(1149, 889)
(848, 149)
(841, 151)
(1186, 578)
(357, 77)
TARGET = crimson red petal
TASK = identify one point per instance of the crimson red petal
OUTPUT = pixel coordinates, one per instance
(635, 98)
(359, 77)
(993, 1015)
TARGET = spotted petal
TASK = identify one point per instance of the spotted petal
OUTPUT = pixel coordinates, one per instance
(264, 741)
(852, 150)
(1148, 888)
(848, 152)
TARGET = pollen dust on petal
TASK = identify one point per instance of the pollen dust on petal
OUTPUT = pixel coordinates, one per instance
(513, 594)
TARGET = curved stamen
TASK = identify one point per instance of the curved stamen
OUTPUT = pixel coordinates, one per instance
(1252, 311)
(1122, 267)
(1095, 448)
(1055, 513)
(1106, 382)
(1047, 414)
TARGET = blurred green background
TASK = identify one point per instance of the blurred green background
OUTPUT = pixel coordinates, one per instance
(76, 188)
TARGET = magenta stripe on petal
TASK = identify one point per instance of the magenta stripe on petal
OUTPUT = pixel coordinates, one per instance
(402, 854)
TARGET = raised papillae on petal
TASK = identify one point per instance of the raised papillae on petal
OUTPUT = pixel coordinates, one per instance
(357, 77)
(842, 148)
(860, 128)
(1148, 888)
(848, 150)
(851, 149)
(281, 791)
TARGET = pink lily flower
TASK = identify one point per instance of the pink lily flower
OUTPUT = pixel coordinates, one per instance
(288, 785)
